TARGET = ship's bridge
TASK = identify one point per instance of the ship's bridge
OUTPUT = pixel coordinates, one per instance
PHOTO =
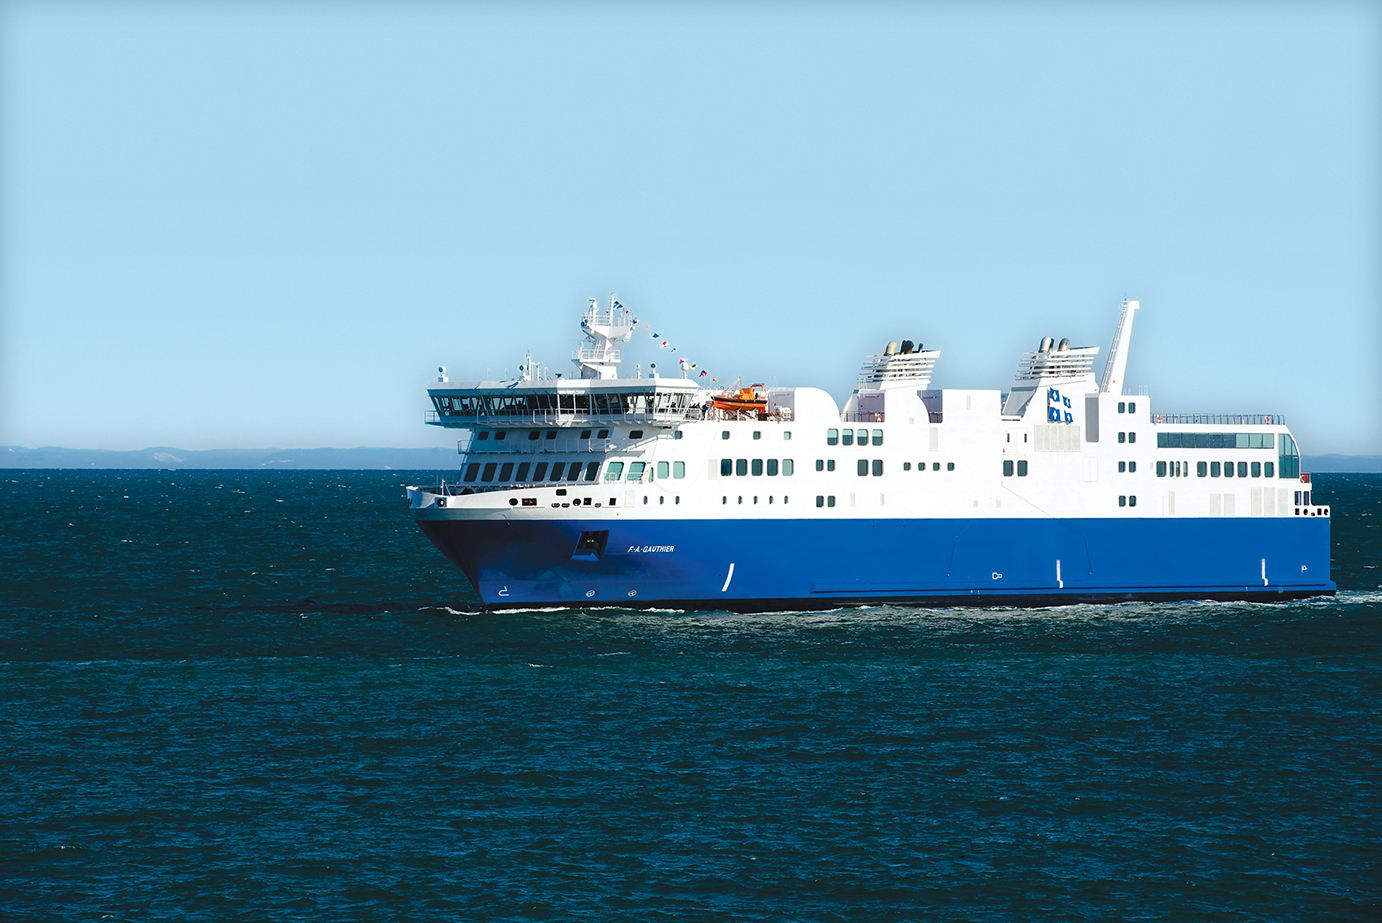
(563, 402)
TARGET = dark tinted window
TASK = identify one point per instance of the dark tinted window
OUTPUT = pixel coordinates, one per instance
(557, 469)
(522, 474)
(847, 437)
(757, 468)
(472, 471)
(878, 467)
(1022, 468)
(863, 465)
(591, 470)
(772, 467)
(488, 474)
(741, 467)
(1242, 469)
(1007, 468)
(505, 471)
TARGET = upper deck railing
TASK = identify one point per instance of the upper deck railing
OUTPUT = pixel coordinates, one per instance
(1221, 419)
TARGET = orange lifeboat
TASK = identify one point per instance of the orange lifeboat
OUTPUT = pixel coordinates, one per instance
(745, 400)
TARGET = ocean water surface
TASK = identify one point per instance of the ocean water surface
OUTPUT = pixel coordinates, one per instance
(255, 696)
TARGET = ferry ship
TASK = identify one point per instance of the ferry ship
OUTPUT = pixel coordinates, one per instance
(655, 491)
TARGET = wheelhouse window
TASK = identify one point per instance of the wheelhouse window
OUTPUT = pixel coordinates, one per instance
(678, 471)
(614, 470)
(832, 437)
(662, 470)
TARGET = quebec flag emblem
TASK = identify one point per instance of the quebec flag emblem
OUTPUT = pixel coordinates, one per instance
(1057, 410)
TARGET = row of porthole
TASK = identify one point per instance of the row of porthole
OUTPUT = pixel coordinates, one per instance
(847, 437)
(1213, 469)
(828, 464)
(1129, 500)
(535, 434)
(757, 434)
(725, 500)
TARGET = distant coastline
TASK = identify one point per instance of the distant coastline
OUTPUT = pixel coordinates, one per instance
(432, 459)
(382, 459)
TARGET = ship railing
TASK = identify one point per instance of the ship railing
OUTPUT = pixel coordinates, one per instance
(544, 446)
(479, 487)
(1221, 419)
(862, 417)
(559, 418)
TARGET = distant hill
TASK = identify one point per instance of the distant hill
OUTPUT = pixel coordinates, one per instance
(434, 459)
(1354, 464)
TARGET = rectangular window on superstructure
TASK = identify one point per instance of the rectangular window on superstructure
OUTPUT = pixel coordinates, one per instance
(678, 471)
(1268, 469)
(636, 470)
(1007, 468)
(472, 471)
(1022, 468)
(557, 469)
(820, 500)
(788, 466)
(522, 473)
(1123, 500)
(830, 464)
(772, 467)
(1201, 469)
(592, 470)
(863, 438)
(1214, 469)
(832, 436)
(878, 467)
(863, 466)
(614, 470)
(573, 472)
(847, 437)
(1257, 469)
(505, 471)
(1132, 437)
(820, 464)
(534, 435)
(488, 474)
(1242, 469)
(830, 500)
(482, 435)
(878, 437)
(1132, 467)
(662, 470)
(540, 471)
(1123, 437)
(741, 467)
(726, 467)
(1228, 469)
(756, 468)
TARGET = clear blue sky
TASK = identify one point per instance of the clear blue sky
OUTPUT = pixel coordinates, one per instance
(258, 224)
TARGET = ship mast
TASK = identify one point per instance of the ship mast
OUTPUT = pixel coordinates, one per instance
(604, 327)
(1112, 382)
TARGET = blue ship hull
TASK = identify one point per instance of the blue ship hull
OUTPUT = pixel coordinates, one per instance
(769, 565)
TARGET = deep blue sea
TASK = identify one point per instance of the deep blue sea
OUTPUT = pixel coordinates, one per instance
(253, 696)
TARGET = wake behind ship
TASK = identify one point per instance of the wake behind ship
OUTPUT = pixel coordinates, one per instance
(659, 492)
